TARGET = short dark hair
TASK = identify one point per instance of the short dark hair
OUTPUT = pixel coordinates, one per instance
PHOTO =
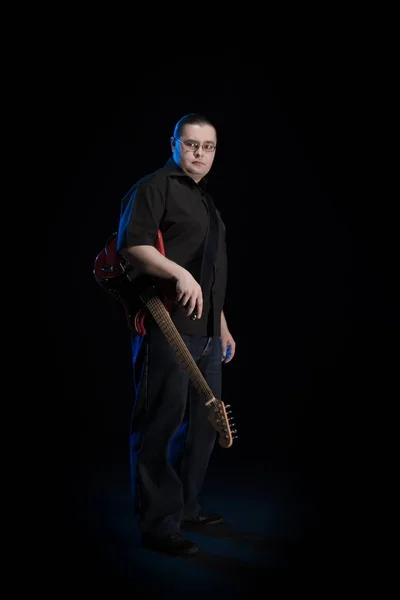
(191, 119)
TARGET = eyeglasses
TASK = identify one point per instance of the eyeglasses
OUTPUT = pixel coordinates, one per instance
(194, 146)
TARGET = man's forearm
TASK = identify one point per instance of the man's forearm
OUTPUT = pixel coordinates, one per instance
(148, 260)
(224, 324)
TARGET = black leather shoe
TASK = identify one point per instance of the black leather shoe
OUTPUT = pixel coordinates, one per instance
(203, 519)
(171, 543)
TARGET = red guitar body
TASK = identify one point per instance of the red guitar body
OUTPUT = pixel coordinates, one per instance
(115, 275)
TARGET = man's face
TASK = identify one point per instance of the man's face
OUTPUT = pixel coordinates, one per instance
(194, 151)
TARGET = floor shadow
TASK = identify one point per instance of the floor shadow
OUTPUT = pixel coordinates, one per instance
(108, 559)
(240, 572)
(256, 541)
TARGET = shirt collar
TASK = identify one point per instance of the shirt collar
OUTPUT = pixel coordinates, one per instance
(172, 169)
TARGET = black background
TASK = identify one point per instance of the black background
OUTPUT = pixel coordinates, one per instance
(312, 249)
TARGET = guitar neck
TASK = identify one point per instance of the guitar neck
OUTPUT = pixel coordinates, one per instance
(164, 321)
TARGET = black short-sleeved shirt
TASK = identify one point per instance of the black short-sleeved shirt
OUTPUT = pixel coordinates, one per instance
(170, 201)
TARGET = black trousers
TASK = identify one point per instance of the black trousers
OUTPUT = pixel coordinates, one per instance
(171, 436)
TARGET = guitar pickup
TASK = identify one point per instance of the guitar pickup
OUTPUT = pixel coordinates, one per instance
(108, 268)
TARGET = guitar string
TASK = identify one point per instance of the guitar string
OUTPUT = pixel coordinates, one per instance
(179, 343)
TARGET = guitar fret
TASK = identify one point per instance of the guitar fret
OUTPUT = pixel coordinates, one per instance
(176, 341)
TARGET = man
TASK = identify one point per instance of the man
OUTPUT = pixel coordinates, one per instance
(171, 436)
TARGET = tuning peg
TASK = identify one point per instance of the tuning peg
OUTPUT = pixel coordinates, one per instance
(234, 431)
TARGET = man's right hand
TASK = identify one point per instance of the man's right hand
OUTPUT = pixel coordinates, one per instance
(148, 260)
(189, 294)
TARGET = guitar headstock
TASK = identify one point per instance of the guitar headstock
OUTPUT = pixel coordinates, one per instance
(222, 421)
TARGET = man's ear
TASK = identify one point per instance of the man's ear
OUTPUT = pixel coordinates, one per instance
(172, 141)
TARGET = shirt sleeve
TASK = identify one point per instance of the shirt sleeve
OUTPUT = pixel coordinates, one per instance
(141, 216)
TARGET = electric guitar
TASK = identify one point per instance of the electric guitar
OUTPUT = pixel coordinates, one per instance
(142, 295)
